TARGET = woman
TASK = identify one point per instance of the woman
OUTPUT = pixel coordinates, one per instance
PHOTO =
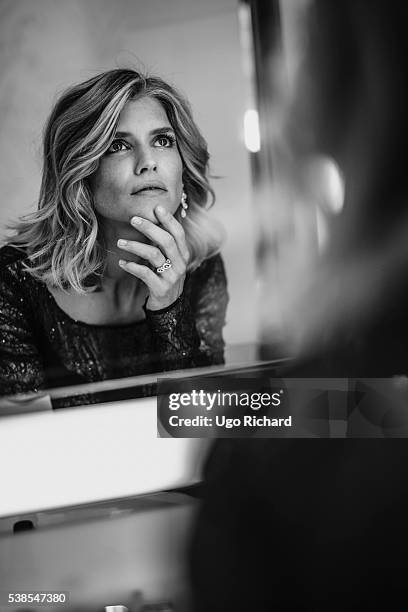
(116, 273)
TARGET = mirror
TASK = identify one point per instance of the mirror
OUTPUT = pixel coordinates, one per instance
(194, 46)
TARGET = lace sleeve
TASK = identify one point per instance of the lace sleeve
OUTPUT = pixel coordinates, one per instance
(189, 332)
(210, 300)
(21, 367)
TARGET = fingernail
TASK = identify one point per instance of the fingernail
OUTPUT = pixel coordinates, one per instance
(160, 209)
(136, 221)
(122, 262)
(122, 242)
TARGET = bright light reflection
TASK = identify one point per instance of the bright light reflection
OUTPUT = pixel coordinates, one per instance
(335, 186)
(251, 131)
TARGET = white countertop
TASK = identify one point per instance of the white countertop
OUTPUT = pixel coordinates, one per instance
(77, 456)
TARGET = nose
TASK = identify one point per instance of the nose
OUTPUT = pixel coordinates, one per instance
(145, 161)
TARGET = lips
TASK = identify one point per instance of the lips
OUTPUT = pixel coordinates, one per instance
(150, 189)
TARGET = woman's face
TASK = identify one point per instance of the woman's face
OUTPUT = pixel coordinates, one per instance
(142, 168)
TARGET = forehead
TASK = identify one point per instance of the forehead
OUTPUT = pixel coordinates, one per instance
(142, 115)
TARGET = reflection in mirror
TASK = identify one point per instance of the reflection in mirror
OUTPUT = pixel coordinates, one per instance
(125, 178)
(299, 187)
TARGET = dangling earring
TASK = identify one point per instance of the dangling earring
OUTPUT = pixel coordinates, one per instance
(184, 204)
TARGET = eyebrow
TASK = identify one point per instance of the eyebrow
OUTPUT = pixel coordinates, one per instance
(159, 130)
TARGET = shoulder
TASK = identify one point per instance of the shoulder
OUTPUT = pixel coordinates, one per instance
(11, 259)
(13, 273)
(208, 283)
(213, 267)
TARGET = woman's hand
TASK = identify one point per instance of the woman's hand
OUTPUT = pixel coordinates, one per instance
(167, 285)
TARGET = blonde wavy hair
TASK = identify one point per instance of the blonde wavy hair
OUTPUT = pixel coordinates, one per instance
(61, 237)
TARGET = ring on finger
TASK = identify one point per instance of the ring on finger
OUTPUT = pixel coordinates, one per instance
(167, 264)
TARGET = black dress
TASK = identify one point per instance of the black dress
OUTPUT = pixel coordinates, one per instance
(41, 346)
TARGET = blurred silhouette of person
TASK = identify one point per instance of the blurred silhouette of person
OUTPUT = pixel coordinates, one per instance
(313, 525)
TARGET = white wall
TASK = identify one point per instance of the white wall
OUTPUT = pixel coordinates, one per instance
(48, 45)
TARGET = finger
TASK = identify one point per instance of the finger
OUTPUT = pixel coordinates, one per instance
(175, 228)
(148, 252)
(164, 239)
(150, 278)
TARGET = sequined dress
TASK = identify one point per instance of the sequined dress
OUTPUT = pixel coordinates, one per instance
(42, 347)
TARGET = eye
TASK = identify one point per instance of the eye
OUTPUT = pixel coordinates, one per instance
(165, 140)
(118, 145)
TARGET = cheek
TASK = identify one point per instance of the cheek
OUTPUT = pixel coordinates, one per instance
(105, 182)
(175, 180)
(177, 174)
(178, 185)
